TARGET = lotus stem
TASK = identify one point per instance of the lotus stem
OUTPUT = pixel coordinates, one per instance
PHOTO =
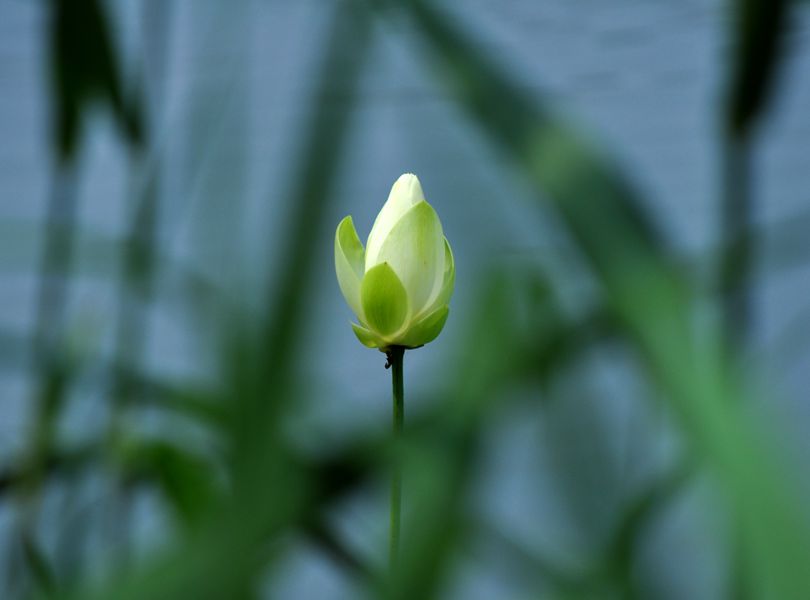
(395, 356)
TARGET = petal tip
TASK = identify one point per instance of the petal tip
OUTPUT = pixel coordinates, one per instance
(408, 187)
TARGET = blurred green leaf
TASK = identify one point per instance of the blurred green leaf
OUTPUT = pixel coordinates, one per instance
(85, 68)
(57, 462)
(759, 26)
(187, 481)
(39, 566)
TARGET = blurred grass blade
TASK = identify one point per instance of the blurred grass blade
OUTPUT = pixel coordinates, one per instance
(759, 26)
(39, 566)
(736, 217)
(758, 29)
(184, 478)
(85, 68)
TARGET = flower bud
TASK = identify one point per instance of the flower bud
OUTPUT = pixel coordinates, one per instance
(399, 286)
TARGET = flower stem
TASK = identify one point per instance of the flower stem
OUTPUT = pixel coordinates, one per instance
(395, 355)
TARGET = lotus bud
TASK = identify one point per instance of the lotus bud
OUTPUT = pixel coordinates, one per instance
(400, 284)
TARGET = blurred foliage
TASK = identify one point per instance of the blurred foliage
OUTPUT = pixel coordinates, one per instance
(756, 52)
(85, 69)
(237, 509)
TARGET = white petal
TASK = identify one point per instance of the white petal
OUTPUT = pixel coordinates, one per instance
(415, 250)
(405, 193)
(441, 295)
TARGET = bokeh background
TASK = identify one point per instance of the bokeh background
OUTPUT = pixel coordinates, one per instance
(617, 406)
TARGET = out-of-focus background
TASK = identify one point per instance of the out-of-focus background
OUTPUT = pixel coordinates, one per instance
(617, 406)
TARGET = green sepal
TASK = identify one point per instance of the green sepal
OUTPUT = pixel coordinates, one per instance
(384, 300)
(447, 285)
(415, 250)
(366, 337)
(426, 329)
(449, 279)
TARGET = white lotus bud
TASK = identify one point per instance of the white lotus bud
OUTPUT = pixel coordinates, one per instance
(400, 285)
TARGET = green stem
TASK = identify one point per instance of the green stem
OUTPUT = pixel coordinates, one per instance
(395, 355)
(739, 261)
